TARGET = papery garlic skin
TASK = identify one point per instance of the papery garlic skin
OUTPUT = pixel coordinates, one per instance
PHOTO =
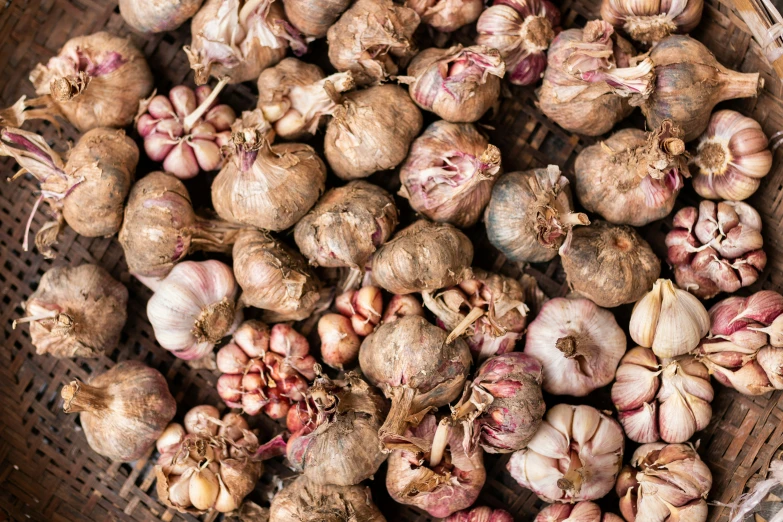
(575, 455)
(716, 248)
(480, 514)
(447, 15)
(151, 16)
(578, 344)
(522, 31)
(731, 158)
(194, 307)
(313, 18)
(304, 501)
(649, 23)
(579, 512)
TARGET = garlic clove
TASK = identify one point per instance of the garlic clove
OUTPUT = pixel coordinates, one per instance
(183, 99)
(677, 422)
(225, 502)
(179, 489)
(207, 154)
(634, 386)
(157, 146)
(160, 107)
(171, 436)
(645, 316)
(203, 489)
(771, 360)
(181, 161)
(641, 424)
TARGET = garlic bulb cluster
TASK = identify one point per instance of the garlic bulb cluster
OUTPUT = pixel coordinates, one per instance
(313, 18)
(664, 482)
(480, 514)
(529, 214)
(661, 398)
(669, 320)
(122, 411)
(649, 23)
(194, 307)
(458, 84)
(578, 344)
(579, 512)
(447, 15)
(151, 16)
(76, 312)
(576, 455)
(731, 158)
(449, 173)
(716, 248)
(304, 501)
(521, 30)
(296, 96)
(609, 264)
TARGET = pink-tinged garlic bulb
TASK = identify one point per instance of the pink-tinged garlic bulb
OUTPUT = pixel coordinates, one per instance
(153, 16)
(579, 512)
(194, 307)
(522, 31)
(716, 248)
(589, 78)
(529, 214)
(744, 349)
(447, 15)
(304, 501)
(662, 399)
(313, 18)
(502, 408)
(95, 80)
(731, 158)
(487, 309)
(373, 40)
(339, 342)
(185, 129)
(439, 476)
(296, 96)
(664, 482)
(632, 177)
(649, 23)
(458, 84)
(480, 514)
(578, 344)
(76, 312)
(575, 455)
(449, 173)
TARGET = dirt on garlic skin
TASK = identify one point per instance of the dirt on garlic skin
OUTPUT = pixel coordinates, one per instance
(304, 501)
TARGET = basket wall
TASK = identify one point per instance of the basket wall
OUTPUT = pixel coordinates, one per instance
(47, 471)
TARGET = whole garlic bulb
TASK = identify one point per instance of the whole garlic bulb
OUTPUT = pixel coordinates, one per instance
(449, 173)
(447, 15)
(662, 399)
(575, 455)
(480, 514)
(669, 320)
(731, 158)
(529, 215)
(522, 31)
(651, 22)
(194, 307)
(578, 344)
(579, 512)
(150, 16)
(664, 482)
(313, 18)
(304, 501)
(716, 248)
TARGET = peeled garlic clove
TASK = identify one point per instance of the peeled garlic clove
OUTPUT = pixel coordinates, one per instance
(179, 489)
(224, 503)
(203, 489)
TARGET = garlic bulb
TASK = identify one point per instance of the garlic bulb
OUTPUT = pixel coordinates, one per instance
(668, 320)
(122, 411)
(731, 158)
(521, 30)
(578, 344)
(372, 40)
(151, 16)
(529, 215)
(664, 482)
(633, 177)
(458, 84)
(296, 96)
(575, 455)
(424, 256)
(480, 514)
(76, 312)
(488, 309)
(449, 173)
(447, 15)
(346, 225)
(194, 307)
(651, 22)
(662, 399)
(716, 248)
(313, 18)
(609, 264)
(579, 512)
(304, 501)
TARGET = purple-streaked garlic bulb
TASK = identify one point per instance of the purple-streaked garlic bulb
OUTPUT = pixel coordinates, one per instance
(650, 22)
(447, 15)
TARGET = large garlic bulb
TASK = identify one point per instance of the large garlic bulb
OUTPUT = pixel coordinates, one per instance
(304, 501)
(649, 22)
(153, 16)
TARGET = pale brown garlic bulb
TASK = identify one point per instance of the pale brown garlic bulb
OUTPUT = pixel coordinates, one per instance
(76, 312)
(669, 320)
(660, 398)
(529, 215)
(650, 22)
(576, 455)
(449, 173)
(609, 264)
(579, 512)
(664, 482)
(731, 158)
(122, 411)
(304, 501)
(716, 248)
(313, 18)
(371, 130)
(424, 256)
(347, 225)
(447, 15)
(152, 16)
(633, 177)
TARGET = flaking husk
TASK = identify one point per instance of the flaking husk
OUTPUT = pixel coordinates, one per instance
(304, 501)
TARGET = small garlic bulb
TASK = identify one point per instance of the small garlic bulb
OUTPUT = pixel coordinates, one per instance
(669, 320)
(194, 307)
(731, 158)
(652, 21)
(578, 344)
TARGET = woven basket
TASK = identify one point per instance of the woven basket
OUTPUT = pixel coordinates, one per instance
(47, 471)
